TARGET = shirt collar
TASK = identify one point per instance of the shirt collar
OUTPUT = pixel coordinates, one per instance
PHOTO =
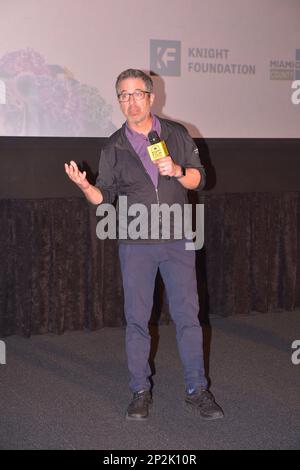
(156, 126)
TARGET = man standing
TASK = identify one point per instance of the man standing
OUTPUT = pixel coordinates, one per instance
(125, 168)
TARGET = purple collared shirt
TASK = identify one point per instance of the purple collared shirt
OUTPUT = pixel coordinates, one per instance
(140, 143)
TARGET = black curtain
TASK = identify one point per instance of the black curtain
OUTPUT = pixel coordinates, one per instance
(56, 276)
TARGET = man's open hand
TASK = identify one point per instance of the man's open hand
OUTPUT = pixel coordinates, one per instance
(76, 176)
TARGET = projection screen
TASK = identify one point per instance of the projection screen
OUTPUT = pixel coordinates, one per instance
(224, 68)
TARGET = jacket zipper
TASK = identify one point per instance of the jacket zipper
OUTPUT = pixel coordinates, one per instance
(156, 189)
(160, 216)
(149, 178)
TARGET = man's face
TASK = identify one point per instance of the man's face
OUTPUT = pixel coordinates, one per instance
(135, 111)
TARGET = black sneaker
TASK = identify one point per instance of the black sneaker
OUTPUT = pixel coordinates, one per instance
(138, 408)
(202, 402)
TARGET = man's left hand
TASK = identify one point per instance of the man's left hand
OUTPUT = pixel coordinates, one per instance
(166, 166)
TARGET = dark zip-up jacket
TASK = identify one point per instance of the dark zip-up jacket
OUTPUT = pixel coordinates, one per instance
(121, 172)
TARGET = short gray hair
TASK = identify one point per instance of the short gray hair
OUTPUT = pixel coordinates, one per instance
(135, 73)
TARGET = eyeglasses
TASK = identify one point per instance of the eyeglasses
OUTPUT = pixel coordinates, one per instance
(137, 94)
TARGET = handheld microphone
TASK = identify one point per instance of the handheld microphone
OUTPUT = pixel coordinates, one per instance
(158, 148)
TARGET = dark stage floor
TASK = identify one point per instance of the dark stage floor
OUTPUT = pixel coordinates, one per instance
(70, 391)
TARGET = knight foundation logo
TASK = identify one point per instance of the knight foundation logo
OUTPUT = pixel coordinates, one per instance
(165, 57)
